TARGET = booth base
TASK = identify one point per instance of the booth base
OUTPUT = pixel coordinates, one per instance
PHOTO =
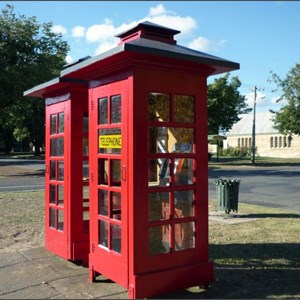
(166, 281)
(80, 251)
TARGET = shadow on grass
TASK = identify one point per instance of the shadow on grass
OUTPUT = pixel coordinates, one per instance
(270, 215)
(246, 271)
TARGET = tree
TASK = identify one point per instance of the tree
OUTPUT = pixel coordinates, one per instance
(287, 119)
(225, 103)
(30, 54)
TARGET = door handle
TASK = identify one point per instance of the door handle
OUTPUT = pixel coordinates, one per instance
(123, 175)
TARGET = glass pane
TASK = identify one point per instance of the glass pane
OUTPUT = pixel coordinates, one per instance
(110, 141)
(86, 223)
(52, 217)
(53, 124)
(184, 109)
(115, 109)
(52, 194)
(61, 122)
(116, 238)
(52, 170)
(60, 170)
(85, 170)
(60, 220)
(85, 146)
(183, 171)
(102, 171)
(103, 233)
(184, 236)
(85, 192)
(184, 204)
(158, 140)
(159, 239)
(158, 172)
(115, 172)
(86, 215)
(103, 202)
(85, 125)
(159, 107)
(103, 111)
(159, 206)
(116, 205)
(57, 146)
(171, 139)
(60, 195)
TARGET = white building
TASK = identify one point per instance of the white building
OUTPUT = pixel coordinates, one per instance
(269, 142)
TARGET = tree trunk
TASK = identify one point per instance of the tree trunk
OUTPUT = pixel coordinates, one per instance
(37, 151)
(37, 145)
(8, 142)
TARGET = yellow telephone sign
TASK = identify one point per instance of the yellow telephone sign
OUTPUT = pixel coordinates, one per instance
(110, 141)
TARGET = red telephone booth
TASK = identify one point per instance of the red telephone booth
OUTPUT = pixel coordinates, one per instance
(66, 177)
(148, 161)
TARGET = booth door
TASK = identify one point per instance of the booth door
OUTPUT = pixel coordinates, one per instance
(56, 206)
(109, 246)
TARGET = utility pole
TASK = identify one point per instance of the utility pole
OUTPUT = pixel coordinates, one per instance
(253, 127)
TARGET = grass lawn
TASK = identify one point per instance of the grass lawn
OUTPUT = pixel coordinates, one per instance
(257, 259)
(22, 220)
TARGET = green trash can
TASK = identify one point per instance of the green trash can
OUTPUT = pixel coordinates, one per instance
(227, 194)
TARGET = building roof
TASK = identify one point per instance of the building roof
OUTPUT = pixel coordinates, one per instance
(152, 40)
(141, 45)
(216, 137)
(151, 46)
(151, 31)
(263, 124)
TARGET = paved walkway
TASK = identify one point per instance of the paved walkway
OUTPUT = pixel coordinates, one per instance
(38, 274)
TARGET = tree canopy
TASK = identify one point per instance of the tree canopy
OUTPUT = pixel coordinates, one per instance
(287, 119)
(30, 54)
(225, 103)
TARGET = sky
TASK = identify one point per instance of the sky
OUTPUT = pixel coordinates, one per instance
(262, 36)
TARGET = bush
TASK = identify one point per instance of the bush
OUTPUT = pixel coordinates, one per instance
(236, 152)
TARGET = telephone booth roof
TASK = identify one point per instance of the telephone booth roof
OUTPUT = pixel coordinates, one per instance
(144, 40)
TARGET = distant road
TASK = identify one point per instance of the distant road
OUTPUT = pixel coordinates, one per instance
(34, 164)
(33, 177)
(277, 187)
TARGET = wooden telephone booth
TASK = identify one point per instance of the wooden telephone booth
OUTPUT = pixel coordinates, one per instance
(67, 168)
(148, 161)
